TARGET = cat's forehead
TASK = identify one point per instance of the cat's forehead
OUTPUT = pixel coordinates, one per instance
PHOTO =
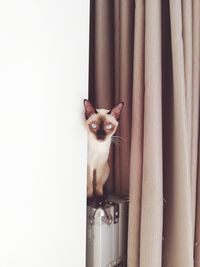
(103, 115)
(102, 111)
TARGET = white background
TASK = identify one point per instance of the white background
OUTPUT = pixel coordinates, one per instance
(43, 80)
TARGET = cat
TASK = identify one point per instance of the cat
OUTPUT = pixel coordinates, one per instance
(101, 125)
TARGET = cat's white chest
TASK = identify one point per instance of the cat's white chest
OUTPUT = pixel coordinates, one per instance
(97, 152)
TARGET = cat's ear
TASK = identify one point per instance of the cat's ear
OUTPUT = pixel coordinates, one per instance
(116, 110)
(89, 108)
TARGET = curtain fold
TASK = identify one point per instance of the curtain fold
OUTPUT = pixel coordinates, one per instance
(195, 154)
(151, 211)
(178, 246)
(123, 65)
(136, 156)
(197, 228)
(147, 54)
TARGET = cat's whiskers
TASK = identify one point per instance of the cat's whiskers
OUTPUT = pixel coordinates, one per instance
(119, 137)
(116, 140)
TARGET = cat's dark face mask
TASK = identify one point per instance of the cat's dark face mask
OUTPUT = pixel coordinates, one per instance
(101, 132)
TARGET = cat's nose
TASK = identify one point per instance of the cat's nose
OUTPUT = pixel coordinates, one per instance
(101, 135)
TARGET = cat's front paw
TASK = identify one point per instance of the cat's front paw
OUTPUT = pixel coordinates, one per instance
(89, 192)
(99, 190)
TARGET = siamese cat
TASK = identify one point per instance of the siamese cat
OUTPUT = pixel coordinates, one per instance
(101, 125)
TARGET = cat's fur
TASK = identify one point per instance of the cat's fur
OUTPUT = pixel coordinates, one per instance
(98, 122)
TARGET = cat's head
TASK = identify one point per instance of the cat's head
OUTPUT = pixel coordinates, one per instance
(102, 123)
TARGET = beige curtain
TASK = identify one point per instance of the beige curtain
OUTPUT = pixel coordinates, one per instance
(147, 54)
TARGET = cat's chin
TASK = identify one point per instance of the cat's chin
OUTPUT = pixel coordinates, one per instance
(101, 140)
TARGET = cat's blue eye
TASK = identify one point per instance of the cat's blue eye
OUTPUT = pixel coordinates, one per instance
(109, 126)
(94, 125)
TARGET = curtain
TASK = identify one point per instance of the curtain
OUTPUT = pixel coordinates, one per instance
(147, 54)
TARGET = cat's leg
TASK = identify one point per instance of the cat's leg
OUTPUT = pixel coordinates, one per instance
(89, 182)
(102, 173)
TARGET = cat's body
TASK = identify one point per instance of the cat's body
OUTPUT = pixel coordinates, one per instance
(98, 153)
(101, 125)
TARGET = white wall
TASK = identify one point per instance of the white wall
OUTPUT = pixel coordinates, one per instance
(43, 80)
